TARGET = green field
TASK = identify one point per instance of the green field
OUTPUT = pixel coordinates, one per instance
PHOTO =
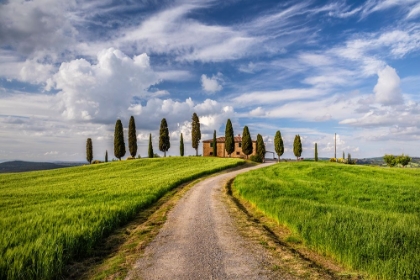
(50, 217)
(367, 218)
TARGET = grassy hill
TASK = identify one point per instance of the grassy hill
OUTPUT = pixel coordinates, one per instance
(48, 218)
(367, 218)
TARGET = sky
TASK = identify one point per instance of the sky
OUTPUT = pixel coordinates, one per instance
(69, 69)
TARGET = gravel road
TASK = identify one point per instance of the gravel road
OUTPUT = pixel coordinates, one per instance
(200, 241)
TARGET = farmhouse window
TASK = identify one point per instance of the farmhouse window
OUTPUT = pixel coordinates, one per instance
(239, 144)
(237, 153)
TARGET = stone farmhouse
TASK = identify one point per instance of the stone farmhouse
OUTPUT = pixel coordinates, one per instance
(221, 151)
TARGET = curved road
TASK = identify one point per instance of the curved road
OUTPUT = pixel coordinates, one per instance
(199, 241)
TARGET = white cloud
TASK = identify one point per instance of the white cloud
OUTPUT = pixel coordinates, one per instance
(387, 90)
(414, 12)
(212, 84)
(102, 92)
(257, 112)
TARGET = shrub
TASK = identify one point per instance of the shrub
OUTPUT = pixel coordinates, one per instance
(96, 161)
(131, 158)
(390, 160)
(403, 160)
(333, 160)
(255, 158)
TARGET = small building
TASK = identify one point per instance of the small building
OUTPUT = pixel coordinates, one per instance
(221, 151)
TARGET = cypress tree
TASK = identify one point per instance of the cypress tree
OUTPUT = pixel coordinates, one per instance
(297, 147)
(89, 150)
(119, 145)
(260, 148)
(344, 155)
(278, 145)
(181, 146)
(214, 144)
(164, 143)
(316, 152)
(150, 151)
(229, 138)
(106, 156)
(247, 148)
(132, 137)
(195, 133)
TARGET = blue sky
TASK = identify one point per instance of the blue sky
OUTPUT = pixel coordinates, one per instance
(70, 69)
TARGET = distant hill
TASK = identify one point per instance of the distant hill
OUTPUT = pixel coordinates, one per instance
(23, 166)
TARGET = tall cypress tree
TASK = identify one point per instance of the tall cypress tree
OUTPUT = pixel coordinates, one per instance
(132, 137)
(260, 147)
(195, 133)
(278, 145)
(119, 145)
(150, 150)
(229, 138)
(316, 152)
(89, 150)
(164, 143)
(247, 148)
(297, 147)
(214, 144)
(181, 146)
(106, 156)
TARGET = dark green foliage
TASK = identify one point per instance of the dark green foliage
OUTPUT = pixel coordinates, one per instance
(403, 159)
(344, 155)
(89, 150)
(278, 145)
(260, 148)
(132, 137)
(255, 158)
(214, 144)
(150, 150)
(297, 147)
(181, 146)
(316, 152)
(195, 133)
(229, 138)
(247, 148)
(390, 160)
(164, 143)
(106, 156)
(119, 145)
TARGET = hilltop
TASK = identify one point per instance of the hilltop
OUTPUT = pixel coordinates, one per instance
(23, 166)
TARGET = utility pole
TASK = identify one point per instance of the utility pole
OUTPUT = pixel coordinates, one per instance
(335, 146)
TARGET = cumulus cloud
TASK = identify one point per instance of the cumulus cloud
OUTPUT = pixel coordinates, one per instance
(212, 84)
(103, 91)
(387, 90)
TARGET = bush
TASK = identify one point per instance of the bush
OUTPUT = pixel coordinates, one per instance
(333, 160)
(96, 161)
(255, 158)
(403, 160)
(131, 158)
(390, 160)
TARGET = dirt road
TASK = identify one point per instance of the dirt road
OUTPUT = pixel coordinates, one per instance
(200, 241)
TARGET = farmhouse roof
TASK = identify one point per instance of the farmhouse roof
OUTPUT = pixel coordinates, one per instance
(237, 139)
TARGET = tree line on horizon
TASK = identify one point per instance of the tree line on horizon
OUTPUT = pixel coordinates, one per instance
(164, 141)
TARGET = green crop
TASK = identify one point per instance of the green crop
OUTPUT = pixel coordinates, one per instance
(50, 217)
(365, 217)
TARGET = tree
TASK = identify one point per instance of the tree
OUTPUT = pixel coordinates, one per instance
(260, 148)
(132, 137)
(164, 143)
(344, 155)
(278, 145)
(195, 133)
(297, 147)
(403, 160)
(214, 144)
(316, 152)
(119, 145)
(390, 160)
(181, 146)
(150, 151)
(229, 138)
(89, 150)
(106, 156)
(247, 148)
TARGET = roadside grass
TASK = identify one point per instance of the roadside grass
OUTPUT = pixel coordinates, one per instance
(49, 218)
(367, 218)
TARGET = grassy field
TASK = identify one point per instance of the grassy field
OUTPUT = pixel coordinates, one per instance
(50, 217)
(367, 218)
